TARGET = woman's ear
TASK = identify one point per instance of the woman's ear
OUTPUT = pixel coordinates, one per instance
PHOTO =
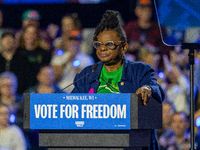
(125, 48)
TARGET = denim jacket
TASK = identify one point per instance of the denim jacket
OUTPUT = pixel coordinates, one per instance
(134, 76)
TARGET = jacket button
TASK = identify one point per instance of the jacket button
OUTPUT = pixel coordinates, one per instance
(122, 83)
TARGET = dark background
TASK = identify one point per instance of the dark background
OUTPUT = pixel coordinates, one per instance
(89, 14)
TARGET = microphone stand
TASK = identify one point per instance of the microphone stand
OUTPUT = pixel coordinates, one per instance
(94, 67)
(191, 47)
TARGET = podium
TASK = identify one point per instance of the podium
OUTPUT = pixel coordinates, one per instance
(92, 121)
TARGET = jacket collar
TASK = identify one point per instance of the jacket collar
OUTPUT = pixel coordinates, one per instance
(125, 73)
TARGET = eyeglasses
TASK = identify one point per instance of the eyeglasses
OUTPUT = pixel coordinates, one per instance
(109, 44)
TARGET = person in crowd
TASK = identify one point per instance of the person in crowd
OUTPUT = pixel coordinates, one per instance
(166, 133)
(9, 59)
(144, 30)
(70, 61)
(124, 76)
(11, 136)
(87, 46)
(168, 111)
(32, 17)
(46, 81)
(69, 22)
(29, 47)
(148, 55)
(181, 138)
(180, 58)
(176, 86)
(45, 84)
(10, 98)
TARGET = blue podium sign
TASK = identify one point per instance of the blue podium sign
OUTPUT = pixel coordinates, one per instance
(80, 111)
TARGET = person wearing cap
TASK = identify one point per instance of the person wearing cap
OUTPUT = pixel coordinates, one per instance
(68, 60)
(32, 17)
(144, 30)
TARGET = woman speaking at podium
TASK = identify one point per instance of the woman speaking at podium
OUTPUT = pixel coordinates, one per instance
(113, 73)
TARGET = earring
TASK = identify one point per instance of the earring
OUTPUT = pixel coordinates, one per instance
(123, 57)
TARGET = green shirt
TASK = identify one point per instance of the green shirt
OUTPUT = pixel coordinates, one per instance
(111, 77)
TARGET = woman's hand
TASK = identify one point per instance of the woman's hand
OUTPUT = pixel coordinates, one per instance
(145, 92)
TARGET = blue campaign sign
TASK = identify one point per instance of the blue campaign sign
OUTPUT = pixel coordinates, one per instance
(80, 111)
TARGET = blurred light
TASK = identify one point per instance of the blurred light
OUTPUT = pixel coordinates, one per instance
(197, 122)
(59, 52)
(12, 118)
(89, 1)
(76, 63)
(161, 75)
(196, 61)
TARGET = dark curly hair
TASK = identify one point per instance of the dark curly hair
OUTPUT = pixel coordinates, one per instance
(110, 21)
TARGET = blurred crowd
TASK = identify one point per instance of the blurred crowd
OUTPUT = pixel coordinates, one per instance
(35, 60)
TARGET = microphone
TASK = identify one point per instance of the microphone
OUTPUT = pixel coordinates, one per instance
(94, 67)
